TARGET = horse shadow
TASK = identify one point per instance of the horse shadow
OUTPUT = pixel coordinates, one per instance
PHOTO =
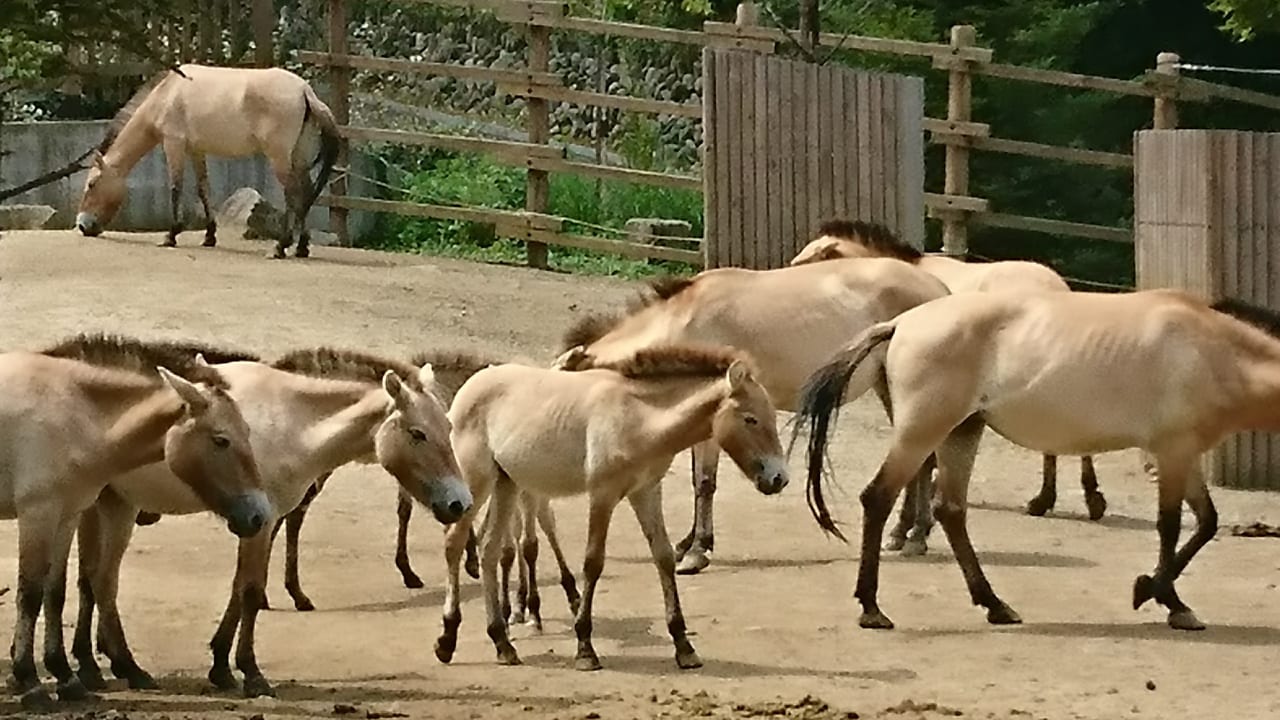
(664, 665)
(998, 558)
(1110, 520)
(1225, 635)
(416, 599)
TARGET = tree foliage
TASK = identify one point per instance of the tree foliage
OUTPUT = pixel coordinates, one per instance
(1246, 18)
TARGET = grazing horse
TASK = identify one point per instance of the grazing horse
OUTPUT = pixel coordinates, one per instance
(609, 431)
(73, 416)
(844, 239)
(196, 111)
(311, 412)
(788, 320)
(1071, 373)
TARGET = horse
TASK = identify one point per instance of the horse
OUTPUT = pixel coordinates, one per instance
(788, 320)
(310, 411)
(73, 415)
(197, 110)
(1063, 373)
(845, 239)
(609, 430)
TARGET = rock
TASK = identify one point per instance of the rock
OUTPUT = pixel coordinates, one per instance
(24, 217)
(264, 222)
(1151, 684)
(235, 210)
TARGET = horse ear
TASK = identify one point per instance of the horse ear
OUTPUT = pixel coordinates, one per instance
(427, 375)
(187, 391)
(738, 375)
(575, 358)
(393, 386)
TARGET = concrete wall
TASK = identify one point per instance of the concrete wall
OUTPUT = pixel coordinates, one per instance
(32, 149)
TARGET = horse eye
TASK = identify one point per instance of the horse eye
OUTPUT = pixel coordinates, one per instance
(222, 442)
(751, 420)
(417, 435)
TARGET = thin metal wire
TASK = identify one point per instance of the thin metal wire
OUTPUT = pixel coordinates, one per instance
(1227, 69)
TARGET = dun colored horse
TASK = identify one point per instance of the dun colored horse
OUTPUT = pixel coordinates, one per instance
(312, 411)
(609, 431)
(788, 321)
(1063, 373)
(197, 111)
(844, 239)
(80, 412)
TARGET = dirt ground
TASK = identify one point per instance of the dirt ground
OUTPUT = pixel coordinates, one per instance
(774, 619)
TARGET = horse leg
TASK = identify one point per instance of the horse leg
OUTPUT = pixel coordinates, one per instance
(507, 560)
(916, 544)
(69, 687)
(202, 189)
(292, 534)
(906, 517)
(115, 529)
(404, 511)
(497, 536)
(599, 514)
(547, 521)
(1093, 499)
(456, 538)
(472, 563)
(283, 170)
(175, 155)
(251, 594)
(36, 532)
(220, 672)
(524, 540)
(1178, 479)
(955, 466)
(302, 188)
(88, 553)
(1044, 501)
(647, 504)
(706, 457)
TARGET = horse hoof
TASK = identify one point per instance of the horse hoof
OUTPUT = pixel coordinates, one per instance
(1039, 505)
(140, 679)
(915, 547)
(875, 620)
(169, 244)
(221, 678)
(472, 567)
(895, 543)
(688, 660)
(694, 562)
(683, 546)
(1185, 620)
(276, 254)
(1144, 588)
(209, 242)
(587, 663)
(302, 253)
(37, 700)
(1003, 615)
(257, 686)
(445, 648)
(507, 656)
(413, 582)
(73, 691)
(1097, 505)
(91, 676)
(302, 603)
(516, 617)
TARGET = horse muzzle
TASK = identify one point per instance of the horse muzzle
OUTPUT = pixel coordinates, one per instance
(772, 476)
(88, 225)
(247, 514)
(450, 500)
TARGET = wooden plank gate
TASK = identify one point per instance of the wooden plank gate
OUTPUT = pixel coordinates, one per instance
(790, 144)
(1207, 219)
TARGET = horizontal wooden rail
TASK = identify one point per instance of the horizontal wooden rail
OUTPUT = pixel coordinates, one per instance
(507, 218)
(516, 153)
(511, 10)
(1054, 227)
(853, 42)
(609, 172)
(559, 93)
(1054, 77)
(964, 203)
(1206, 89)
(943, 126)
(619, 247)
(461, 72)
(620, 29)
(1035, 149)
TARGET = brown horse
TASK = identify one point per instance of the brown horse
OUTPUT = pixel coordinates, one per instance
(311, 412)
(196, 111)
(610, 431)
(789, 321)
(845, 239)
(1072, 373)
(80, 412)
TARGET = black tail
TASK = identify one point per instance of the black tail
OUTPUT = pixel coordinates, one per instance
(819, 408)
(330, 144)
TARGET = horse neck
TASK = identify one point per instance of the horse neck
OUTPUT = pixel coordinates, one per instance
(133, 142)
(681, 408)
(136, 414)
(341, 421)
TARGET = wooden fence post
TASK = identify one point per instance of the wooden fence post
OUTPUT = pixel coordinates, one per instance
(264, 22)
(955, 223)
(1166, 105)
(538, 182)
(340, 104)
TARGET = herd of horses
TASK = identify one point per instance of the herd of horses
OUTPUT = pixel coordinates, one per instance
(102, 434)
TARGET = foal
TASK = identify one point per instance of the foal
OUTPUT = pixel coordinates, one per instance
(610, 432)
(80, 412)
(315, 411)
(1063, 373)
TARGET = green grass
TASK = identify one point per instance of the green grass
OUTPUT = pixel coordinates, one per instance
(476, 182)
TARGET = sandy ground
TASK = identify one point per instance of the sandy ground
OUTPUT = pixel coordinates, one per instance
(774, 620)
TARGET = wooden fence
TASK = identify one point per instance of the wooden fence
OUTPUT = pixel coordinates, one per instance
(1207, 219)
(790, 143)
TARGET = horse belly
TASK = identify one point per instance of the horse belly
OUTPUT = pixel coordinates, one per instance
(155, 489)
(1062, 423)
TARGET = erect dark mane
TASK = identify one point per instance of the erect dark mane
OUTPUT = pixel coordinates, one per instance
(140, 356)
(873, 235)
(593, 326)
(336, 364)
(685, 360)
(452, 368)
(124, 114)
(1265, 319)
